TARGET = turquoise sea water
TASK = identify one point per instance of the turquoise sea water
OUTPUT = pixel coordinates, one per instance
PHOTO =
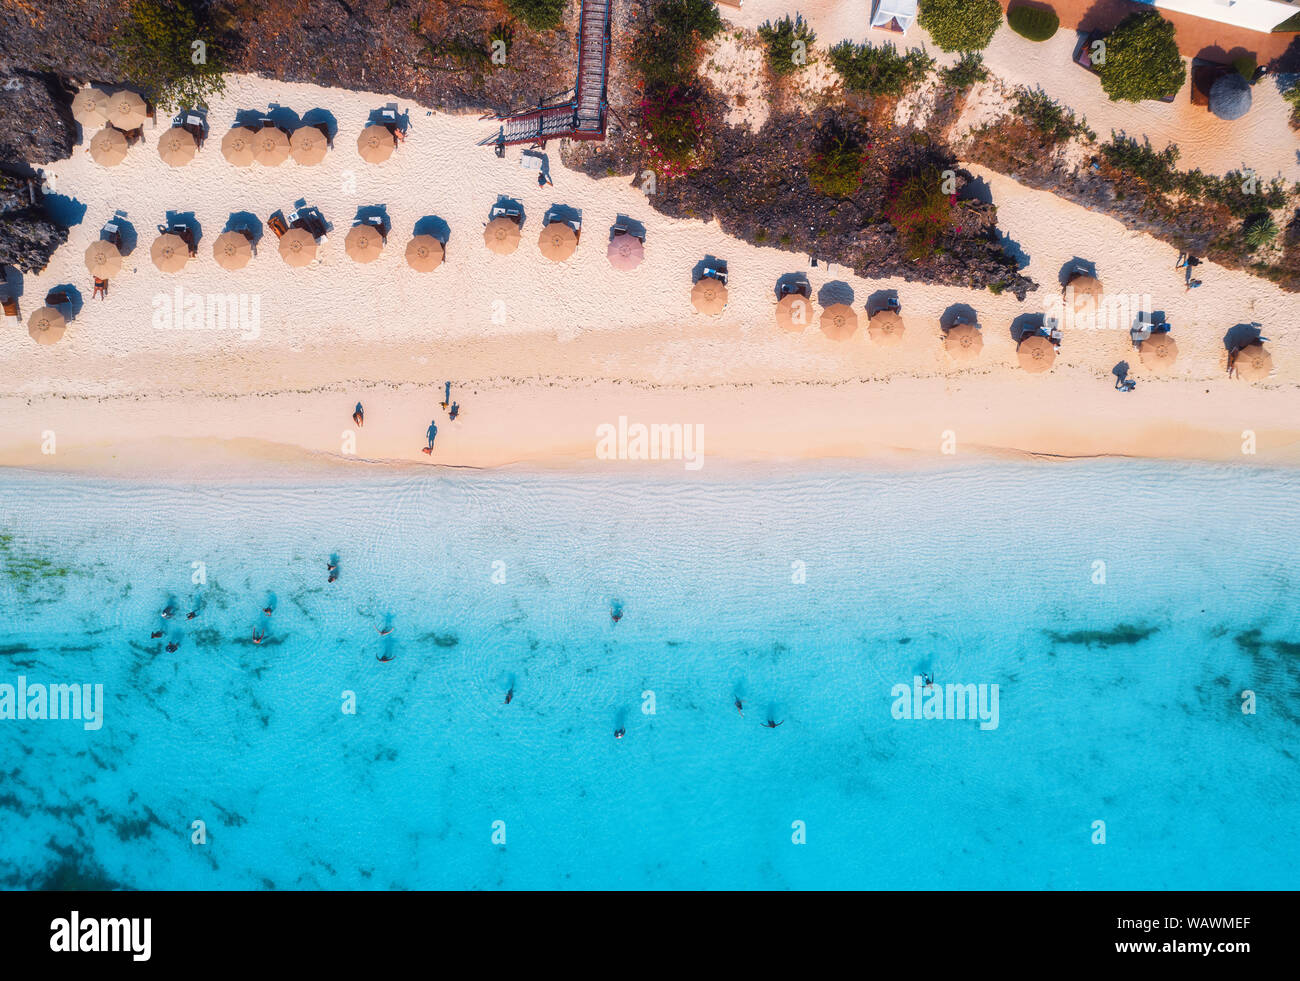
(1119, 701)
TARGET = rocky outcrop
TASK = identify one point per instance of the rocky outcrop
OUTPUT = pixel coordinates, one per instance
(27, 235)
(38, 122)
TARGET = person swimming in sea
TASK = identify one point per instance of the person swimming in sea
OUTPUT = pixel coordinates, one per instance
(191, 615)
(166, 614)
(267, 610)
(258, 636)
(927, 681)
(510, 695)
(155, 635)
(384, 631)
(619, 732)
(740, 707)
(616, 611)
(772, 725)
(385, 657)
(171, 648)
(332, 576)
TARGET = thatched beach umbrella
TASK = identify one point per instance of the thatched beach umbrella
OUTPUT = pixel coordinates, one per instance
(963, 342)
(126, 110)
(424, 253)
(1254, 363)
(375, 144)
(103, 260)
(625, 252)
(108, 147)
(270, 146)
(794, 312)
(709, 296)
(237, 146)
(364, 243)
(90, 107)
(1158, 352)
(1087, 292)
(298, 247)
(170, 253)
(886, 328)
(308, 145)
(232, 250)
(501, 235)
(558, 241)
(177, 147)
(1230, 97)
(839, 321)
(1036, 354)
(46, 326)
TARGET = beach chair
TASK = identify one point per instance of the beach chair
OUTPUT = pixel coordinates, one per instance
(58, 299)
(718, 271)
(111, 233)
(276, 224)
(388, 116)
(1144, 325)
(377, 221)
(325, 132)
(622, 228)
(506, 211)
(9, 305)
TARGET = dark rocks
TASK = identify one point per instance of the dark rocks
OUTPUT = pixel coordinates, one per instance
(27, 235)
(37, 120)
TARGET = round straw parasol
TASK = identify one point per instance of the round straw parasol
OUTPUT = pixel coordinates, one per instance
(90, 107)
(177, 147)
(232, 250)
(424, 253)
(103, 260)
(108, 147)
(308, 145)
(170, 253)
(237, 146)
(375, 144)
(839, 321)
(709, 296)
(126, 110)
(886, 328)
(364, 243)
(1036, 354)
(1158, 352)
(270, 146)
(625, 252)
(1087, 292)
(964, 342)
(46, 326)
(1254, 363)
(297, 247)
(1230, 96)
(501, 235)
(793, 312)
(557, 241)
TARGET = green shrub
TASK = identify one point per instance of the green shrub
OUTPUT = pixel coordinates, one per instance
(784, 55)
(879, 71)
(1292, 96)
(1243, 195)
(1260, 230)
(1245, 66)
(673, 132)
(920, 212)
(1049, 117)
(961, 25)
(968, 70)
(1141, 60)
(540, 15)
(666, 49)
(155, 49)
(835, 168)
(1035, 23)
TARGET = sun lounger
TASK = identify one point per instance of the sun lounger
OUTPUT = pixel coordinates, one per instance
(111, 233)
(276, 224)
(718, 272)
(10, 305)
(505, 211)
(56, 298)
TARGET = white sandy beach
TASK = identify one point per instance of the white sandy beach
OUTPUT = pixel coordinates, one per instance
(576, 344)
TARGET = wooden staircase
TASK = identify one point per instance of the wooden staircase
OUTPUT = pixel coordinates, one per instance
(579, 113)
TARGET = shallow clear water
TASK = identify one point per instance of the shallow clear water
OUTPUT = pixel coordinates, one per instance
(1118, 702)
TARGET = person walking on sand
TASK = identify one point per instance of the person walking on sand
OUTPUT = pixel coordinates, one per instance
(431, 435)
(455, 410)
(446, 397)
(359, 416)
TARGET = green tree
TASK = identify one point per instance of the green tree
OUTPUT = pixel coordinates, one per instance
(879, 71)
(784, 55)
(961, 25)
(539, 15)
(170, 50)
(1141, 59)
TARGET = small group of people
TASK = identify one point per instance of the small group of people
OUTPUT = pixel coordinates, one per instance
(431, 434)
